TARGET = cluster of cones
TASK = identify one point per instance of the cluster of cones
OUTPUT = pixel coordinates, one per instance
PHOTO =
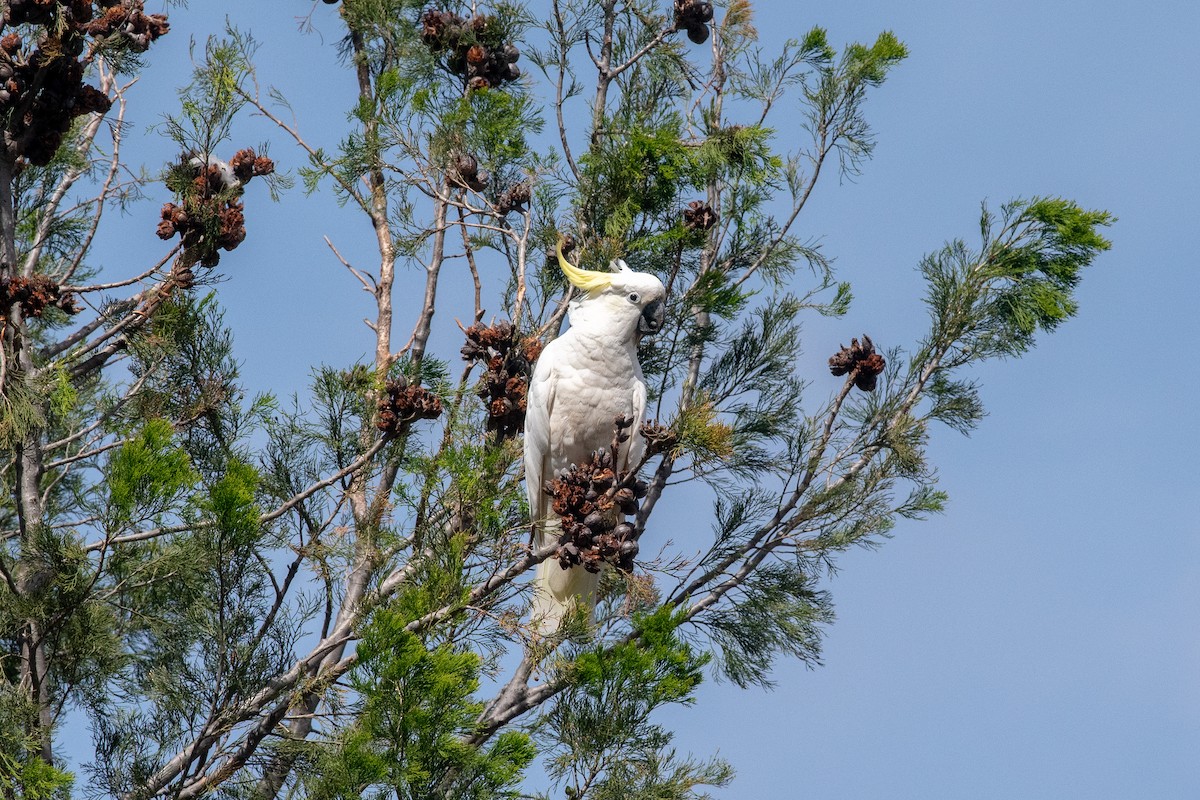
(694, 16)
(659, 439)
(860, 361)
(126, 18)
(699, 216)
(464, 172)
(593, 500)
(401, 404)
(41, 80)
(211, 215)
(476, 48)
(513, 198)
(508, 359)
(34, 295)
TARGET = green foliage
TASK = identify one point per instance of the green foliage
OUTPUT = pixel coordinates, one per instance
(600, 731)
(20, 413)
(992, 302)
(753, 382)
(836, 94)
(416, 705)
(660, 775)
(627, 177)
(23, 773)
(1036, 272)
(956, 403)
(215, 94)
(780, 611)
(493, 125)
(741, 152)
(870, 65)
(33, 779)
(148, 474)
(63, 396)
(231, 500)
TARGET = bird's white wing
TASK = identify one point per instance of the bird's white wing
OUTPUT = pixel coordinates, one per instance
(539, 405)
(556, 590)
(637, 445)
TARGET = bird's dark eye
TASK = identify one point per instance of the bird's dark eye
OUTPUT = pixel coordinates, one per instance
(634, 297)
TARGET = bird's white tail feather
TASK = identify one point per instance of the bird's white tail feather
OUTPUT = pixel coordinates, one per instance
(556, 590)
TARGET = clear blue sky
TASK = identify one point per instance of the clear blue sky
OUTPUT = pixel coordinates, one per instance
(1040, 639)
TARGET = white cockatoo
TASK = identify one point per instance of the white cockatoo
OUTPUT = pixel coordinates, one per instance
(582, 382)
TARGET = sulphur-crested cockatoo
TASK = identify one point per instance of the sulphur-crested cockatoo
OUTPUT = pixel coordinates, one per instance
(582, 382)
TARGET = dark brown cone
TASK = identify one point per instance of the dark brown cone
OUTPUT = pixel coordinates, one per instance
(697, 33)
(659, 438)
(860, 361)
(592, 500)
(34, 295)
(505, 383)
(401, 405)
(699, 216)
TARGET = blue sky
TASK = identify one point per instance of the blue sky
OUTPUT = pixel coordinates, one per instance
(1038, 640)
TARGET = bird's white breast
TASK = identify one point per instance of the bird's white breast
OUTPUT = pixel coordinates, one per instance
(588, 400)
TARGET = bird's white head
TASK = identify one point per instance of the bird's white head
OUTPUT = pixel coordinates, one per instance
(634, 302)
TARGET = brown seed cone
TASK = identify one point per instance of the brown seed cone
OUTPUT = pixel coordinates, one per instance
(34, 295)
(591, 501)
(697, 32)
(183, 277)
(531, 349)
(659, 438)
(403, 404)
(699, 216)
(692, 12)
(860, 361)
(463, 170)
(91, 100)
(242, 164)
(505, 383)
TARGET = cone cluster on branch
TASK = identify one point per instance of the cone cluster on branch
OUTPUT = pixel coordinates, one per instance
(659, 438)
(508, 358)
(860, 361)
(699, 216)
(694, 16)
(593, 500)
(464, 172)
(513, 198)
(247, 164)
(401, 404)
(210, 216)
(475, 47)
(41, 75)
(34, 295)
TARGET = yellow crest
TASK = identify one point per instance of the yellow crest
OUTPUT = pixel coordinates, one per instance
(585, 279)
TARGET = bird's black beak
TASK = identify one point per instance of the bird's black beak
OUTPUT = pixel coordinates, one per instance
(651, 321)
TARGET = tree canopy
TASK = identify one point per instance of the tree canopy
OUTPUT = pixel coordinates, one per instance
(328, 594)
